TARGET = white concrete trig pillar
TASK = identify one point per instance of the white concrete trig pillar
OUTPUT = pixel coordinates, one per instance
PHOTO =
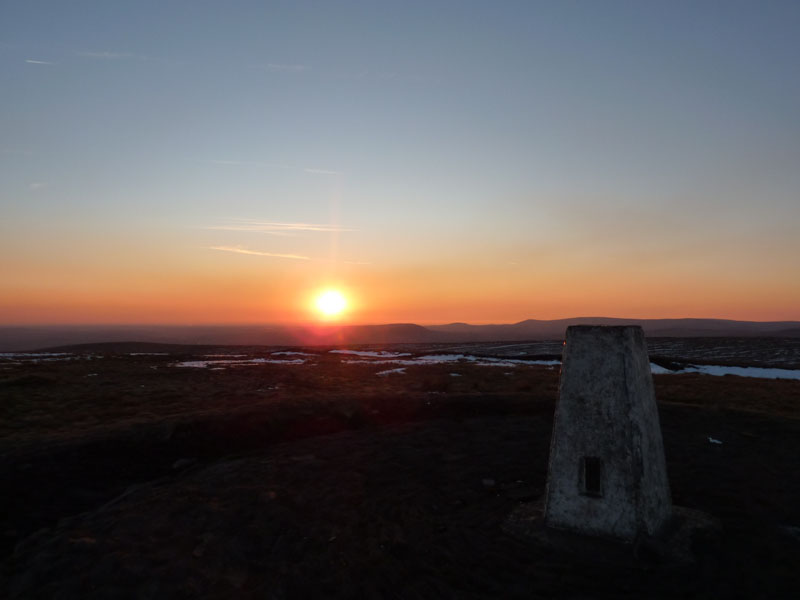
(607, 474)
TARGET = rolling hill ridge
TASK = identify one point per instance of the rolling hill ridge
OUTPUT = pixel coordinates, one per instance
(26, 338)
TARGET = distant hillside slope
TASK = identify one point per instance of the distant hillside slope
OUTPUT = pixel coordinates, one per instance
(532, 329)
(13, 339)
(33, 338)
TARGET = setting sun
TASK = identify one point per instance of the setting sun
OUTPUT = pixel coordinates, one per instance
(331, 303)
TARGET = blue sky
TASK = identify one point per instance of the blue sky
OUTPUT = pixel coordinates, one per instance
(578, 137)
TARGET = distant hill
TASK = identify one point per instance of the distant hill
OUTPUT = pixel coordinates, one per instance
(532, 329)
(33, 338)
(14, 339)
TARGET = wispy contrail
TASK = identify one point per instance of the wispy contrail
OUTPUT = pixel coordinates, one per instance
(277, 228)
(239, 250)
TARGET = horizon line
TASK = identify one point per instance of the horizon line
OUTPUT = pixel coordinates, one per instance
(372, 324)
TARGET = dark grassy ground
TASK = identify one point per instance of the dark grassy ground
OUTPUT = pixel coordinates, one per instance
(325, 480)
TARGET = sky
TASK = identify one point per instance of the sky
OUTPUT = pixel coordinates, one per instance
(202, 162)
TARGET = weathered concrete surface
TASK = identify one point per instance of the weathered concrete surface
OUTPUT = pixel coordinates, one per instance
(607, 413)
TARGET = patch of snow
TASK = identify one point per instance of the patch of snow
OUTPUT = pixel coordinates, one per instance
(224, 355)
(33, 354)
(441, 359)
(721, 370)
(195, 364)
(370, 353)
(398, 371)
(56, 359)
(522, 361)
(201, 364)
(438, 359)
(761, 372)
(397, 361)
(278, 361)
(382, 357)
(291, 353)
(444, 358)
(484, 361)
(455, 374)
(38, 357)
(713, 441)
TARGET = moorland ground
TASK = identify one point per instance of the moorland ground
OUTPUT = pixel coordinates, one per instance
(125, 476)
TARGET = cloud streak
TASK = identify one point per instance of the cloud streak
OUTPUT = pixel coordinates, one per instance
(278, 228)
(240, 250)
(38, 62)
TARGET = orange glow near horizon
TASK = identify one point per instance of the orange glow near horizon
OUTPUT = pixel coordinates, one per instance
(190, 287)
(422, 295)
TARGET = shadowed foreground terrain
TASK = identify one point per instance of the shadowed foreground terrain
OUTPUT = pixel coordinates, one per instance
(125, 476)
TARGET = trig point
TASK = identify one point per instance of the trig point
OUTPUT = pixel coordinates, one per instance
(607, 475)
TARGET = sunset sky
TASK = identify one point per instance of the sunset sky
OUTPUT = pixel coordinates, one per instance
(225, 162)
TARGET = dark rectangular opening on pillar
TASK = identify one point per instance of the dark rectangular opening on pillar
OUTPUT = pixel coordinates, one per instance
(592, 476)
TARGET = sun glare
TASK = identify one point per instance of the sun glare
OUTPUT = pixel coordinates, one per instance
(331, 303)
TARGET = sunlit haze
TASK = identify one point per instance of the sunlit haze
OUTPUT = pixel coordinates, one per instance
(209, 162)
